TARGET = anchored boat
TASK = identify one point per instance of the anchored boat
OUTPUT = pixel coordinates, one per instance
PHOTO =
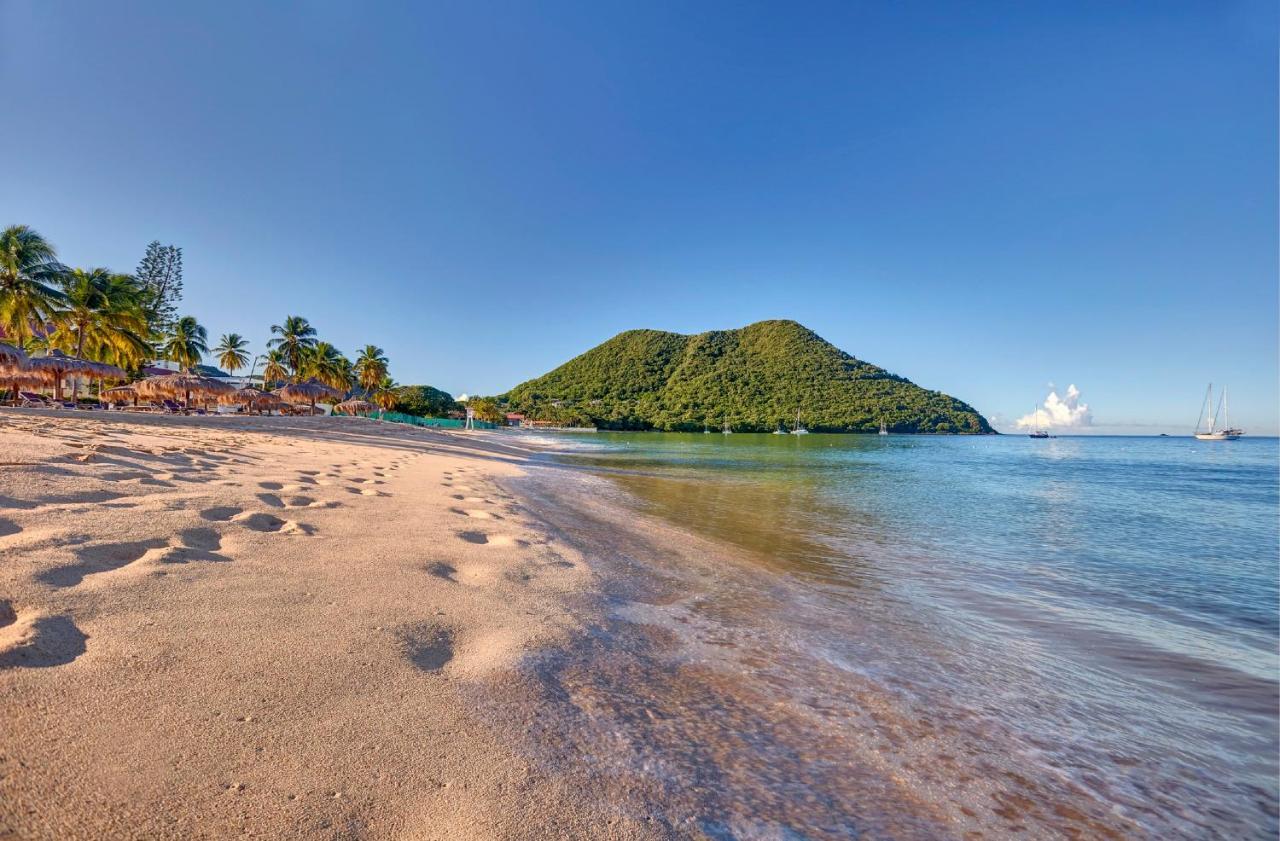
(1213, 433)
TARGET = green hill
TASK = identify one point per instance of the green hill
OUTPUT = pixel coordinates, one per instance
(754, 378)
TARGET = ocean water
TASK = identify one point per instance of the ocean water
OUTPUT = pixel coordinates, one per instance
(908, 636)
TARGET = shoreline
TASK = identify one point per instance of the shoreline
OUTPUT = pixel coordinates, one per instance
(338, 628)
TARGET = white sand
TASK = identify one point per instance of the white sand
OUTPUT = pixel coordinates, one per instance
(215, 627)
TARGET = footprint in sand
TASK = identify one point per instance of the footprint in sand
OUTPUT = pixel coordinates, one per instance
(220, 513)
(429, 647)
(271, 486)
(31, 639)
(442, 570)
(103, 557)
(198, 544)
(275, 525)
(9, 527)
(271, 499)
(475, 513)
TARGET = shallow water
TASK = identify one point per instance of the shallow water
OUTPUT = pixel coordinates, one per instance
(925, 637)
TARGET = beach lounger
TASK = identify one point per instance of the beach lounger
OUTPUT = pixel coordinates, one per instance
(33, 400)
(171, 407)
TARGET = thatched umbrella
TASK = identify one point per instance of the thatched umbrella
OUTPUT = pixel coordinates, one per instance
(12, 358)
(120, 394)
(307, 392)
(12, 362)
(171, 385)
(241, 396)
(267, 403)
(355, 407)
(99, 371)
(56, 367)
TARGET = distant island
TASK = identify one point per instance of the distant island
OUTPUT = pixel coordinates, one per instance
(753, 379)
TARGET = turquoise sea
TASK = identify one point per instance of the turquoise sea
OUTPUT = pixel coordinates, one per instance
(934, 636)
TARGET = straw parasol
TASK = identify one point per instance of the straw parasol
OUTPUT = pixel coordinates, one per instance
(241, 396)
(12, 358)
(56, 367)
(355, 407)
(171, 385)
(12, 363)
(306, 392)
(120, 394)
(267, 403)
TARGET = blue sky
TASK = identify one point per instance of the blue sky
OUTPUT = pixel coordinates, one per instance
(986, 198)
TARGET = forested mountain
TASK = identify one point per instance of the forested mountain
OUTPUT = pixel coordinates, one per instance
(753, 378)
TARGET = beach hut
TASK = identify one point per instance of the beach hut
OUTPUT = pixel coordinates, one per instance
(306, 393)
(355, 407)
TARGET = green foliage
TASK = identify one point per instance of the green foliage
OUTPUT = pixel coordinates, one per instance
(231, 352)
(295, 338)
(754, 378)
(29, 278)
(371, 367)
(487, 409)
(186, 343)
(423, 401)
(101, 318)
(160, 275)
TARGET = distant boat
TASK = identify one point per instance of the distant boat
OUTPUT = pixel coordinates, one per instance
(884, 430)
(781, 430)
(799, 430)
(1037, 432)
(1213, 433)
(706, 430)
(726, 430)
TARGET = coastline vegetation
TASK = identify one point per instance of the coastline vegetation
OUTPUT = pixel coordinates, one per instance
(131, 320)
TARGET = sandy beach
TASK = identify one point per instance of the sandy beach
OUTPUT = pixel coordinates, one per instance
(269, 627)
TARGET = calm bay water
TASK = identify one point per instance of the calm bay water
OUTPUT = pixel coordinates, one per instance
(1071, 637)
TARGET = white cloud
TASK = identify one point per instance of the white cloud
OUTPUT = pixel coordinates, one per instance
(1059, 412)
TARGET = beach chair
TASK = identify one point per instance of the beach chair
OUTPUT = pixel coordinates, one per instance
(32, 400)
(171, 407)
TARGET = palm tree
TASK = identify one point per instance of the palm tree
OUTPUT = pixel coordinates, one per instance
(275, 370)
(101, 318)
(384, 393)
(294, 338)
(231, 352)
(187, 343)
(371, 367)
(324, 362)
(29, 272)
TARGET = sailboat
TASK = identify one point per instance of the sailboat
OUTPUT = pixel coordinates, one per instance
(884, 430)
(727, 430)
(1037, 432)
(1213, 433)
(706, 430)
(781, 430)
(799, 430)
